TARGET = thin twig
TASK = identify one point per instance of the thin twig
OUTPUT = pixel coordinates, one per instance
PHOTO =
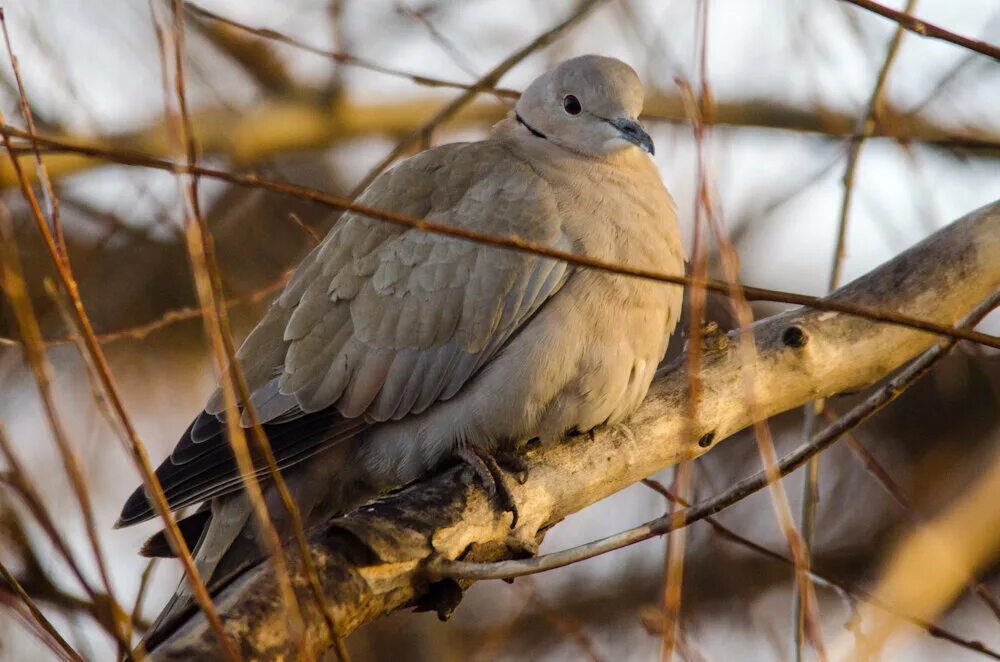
(208, 287)
(824, 578)
(13, 285)
(167, 319)
(866, 125)
(17, 478)
(485, 83)
(236, 390)
(925, 29)
(134, 444)
(345, 58)
(673, 575)
(42, 173)
(894, 490)
(15, 587)
(751, 293)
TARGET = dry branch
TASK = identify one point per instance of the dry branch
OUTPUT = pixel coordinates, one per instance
(374, 560)
(279, 125)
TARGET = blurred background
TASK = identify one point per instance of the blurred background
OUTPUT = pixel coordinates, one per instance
(790, 81)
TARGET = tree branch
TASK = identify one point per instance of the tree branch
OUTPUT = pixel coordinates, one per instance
(375, 560)
(290, 123)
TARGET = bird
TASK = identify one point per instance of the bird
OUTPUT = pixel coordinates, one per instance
(392, 352)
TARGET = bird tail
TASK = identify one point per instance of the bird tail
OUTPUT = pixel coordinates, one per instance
(225, 530)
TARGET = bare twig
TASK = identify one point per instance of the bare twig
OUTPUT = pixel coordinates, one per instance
(13, 285)
(925, 29)
(822, 577)
(61, 645)
(485, 83)
(515, 243)
(167, 319)
(208, 286)
(865, 128)
(344, 58)
(134, 444)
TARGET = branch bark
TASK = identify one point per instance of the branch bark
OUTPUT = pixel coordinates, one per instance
(375, 560)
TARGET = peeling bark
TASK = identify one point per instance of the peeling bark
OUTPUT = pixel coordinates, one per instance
(373, 561)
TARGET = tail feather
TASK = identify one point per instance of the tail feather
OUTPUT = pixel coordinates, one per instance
(228, 534)
(229, 541)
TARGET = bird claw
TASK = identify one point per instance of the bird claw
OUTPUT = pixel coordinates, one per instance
(513, 464)
(487, 468)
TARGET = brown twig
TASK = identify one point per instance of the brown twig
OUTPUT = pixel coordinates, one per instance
(925, 29)
(818, 575)
(235, 388)
(751, 293)
(341, 57)
(135, 446)
(485, 83)
(864, 129)
(169, 318)
(61, 645)
(198, 241)
(17, 478)
(13, 286)
(673, 575)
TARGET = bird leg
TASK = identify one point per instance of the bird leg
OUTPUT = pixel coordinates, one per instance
(486, 466)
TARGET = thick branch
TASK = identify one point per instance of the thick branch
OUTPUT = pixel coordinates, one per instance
(374, 560)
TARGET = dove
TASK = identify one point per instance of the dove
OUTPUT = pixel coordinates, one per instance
(392, 352)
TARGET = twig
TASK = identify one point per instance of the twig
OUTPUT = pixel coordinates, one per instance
(676, 541)
(140, 594)
(236, 390)
(50, 196)
(925, 29)
(818, 575)
(865, 128)
(68, 651)
(135, 446)
(875, 468)
(167, 319)
(440, 39)
(486, 82)
(207, 284)
(17, 478)
(13, 286)
(515, 243)
(345, 58)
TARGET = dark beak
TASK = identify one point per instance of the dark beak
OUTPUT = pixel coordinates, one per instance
(633, 132)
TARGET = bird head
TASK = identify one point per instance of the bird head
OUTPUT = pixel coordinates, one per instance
(588, 104)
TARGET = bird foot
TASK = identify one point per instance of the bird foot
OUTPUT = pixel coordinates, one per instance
(512, 463)
(487, 468)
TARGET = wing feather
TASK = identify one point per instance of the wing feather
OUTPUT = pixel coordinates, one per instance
(381, 321)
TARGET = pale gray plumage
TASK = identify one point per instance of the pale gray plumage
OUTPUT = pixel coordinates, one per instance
(392, 347)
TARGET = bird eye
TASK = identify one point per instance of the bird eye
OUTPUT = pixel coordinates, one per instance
(572, 105)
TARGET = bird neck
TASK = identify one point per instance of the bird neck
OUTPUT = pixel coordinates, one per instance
(535, 132)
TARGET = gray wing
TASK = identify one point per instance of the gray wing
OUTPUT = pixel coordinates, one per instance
(381, 321)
